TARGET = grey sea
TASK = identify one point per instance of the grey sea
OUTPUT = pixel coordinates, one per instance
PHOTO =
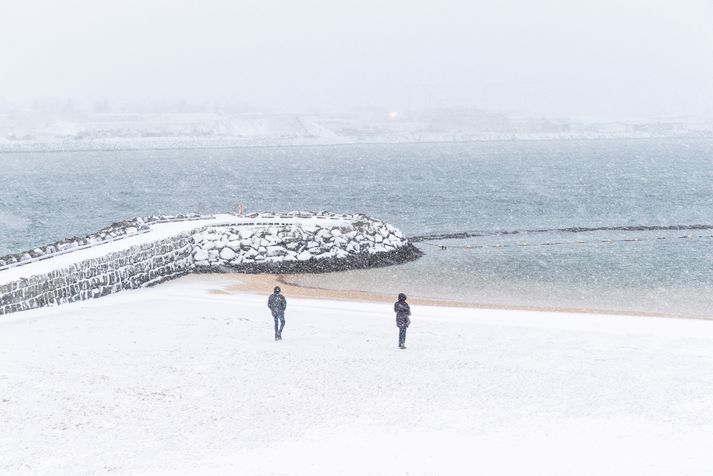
(611, 225)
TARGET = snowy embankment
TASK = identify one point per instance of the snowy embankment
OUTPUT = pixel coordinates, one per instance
(140, 252)
(185, 378)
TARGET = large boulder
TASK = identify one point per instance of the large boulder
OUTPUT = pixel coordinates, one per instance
(227, 254)
(304, 256)
(246, 233)
(273, 239)
(275, 251)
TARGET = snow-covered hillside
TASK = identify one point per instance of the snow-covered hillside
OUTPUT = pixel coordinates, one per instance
(30, 131)
(185, 378)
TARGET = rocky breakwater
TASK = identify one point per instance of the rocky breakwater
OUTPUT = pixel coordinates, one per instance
(135, 267)
(115, 231)
(142, 252)
(319, 243)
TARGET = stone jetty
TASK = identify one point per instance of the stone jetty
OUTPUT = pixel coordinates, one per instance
(149, 250)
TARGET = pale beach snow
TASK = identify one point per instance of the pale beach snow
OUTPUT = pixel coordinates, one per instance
(184, 378)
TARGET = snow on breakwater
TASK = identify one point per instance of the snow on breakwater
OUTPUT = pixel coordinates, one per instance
(128, 269)
(300, 247)
(112, 232)
(134, 256)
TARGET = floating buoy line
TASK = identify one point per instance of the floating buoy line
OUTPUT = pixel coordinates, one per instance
(554, 243)
(429, 241)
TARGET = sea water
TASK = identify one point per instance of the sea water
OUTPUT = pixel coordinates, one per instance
(601, 224)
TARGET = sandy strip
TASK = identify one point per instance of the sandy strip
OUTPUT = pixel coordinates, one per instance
(264, 283)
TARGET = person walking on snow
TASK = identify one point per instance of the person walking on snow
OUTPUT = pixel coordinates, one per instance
(403, 320)
(277, 304)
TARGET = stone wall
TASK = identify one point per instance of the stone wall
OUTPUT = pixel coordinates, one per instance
(128, 269)
(112, 232)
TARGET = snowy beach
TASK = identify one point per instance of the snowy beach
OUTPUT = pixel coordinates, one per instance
(184, 378)
(536, 177)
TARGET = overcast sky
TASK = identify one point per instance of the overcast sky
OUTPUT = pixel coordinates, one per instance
(599, 58)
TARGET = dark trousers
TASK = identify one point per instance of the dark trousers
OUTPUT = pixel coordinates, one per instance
(279, 319)
(402, 336)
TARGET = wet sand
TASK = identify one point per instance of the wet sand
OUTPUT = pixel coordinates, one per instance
(264, 284)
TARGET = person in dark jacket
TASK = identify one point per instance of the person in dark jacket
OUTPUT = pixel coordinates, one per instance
(277, 304)
(403, 319)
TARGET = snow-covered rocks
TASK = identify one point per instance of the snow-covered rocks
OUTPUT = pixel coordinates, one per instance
(200, 255)
(112, 232)
(227, 254)
(137, 266)
(300, 243)
(139, 255)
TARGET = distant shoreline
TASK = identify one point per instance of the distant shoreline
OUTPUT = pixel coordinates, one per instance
(123, 147)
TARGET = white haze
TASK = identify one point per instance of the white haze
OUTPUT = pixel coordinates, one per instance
(604, 58)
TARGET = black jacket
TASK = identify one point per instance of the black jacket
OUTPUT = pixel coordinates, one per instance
(403, 311)
(277, 303)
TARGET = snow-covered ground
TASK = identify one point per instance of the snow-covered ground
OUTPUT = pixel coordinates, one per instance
(185, 378)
